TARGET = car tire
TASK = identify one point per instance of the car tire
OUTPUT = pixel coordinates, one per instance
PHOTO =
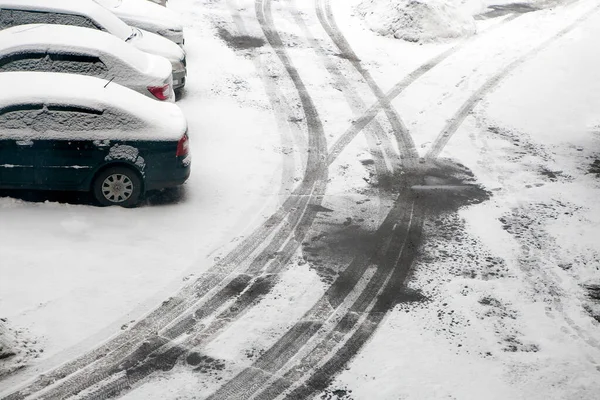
(118, 186)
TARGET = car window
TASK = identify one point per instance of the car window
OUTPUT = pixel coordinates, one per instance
(54, 62)
(20, 116)
(78, 64)
(29, 61)
(10, 18)
(64, 118)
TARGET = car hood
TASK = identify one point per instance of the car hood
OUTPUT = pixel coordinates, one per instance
(147, 15)
(157, 45)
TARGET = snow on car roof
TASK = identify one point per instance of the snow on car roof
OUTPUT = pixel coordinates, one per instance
(88, 8)
(65, 37)
(144, 11)
(163, 120)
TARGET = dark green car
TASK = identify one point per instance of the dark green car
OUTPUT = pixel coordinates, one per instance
(73, 132)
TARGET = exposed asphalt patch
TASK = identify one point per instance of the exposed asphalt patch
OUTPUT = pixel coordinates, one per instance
(593, 306)
(328, 251)
(595, 168)
(240, 42)
(506, 9)
(336, 394)
(204, 363)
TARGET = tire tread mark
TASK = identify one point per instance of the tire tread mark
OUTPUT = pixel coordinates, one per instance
(372, 112)
(314, 181)
(406, 144)
(457, 120)
(373, 135)
(386, 240)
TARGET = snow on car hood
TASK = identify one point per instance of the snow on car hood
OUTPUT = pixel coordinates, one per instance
(158, 120)
(144, 14)
(158, 45)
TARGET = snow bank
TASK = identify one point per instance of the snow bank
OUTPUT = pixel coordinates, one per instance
(417, 20)
(7, 342)
(15, 349)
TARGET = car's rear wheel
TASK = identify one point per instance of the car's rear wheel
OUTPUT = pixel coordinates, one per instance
(118, 186)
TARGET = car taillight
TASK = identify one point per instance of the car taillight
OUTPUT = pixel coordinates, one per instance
(160, 92)
(183, 146)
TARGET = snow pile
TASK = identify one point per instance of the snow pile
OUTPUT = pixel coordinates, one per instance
(6, 342)
(417, 20)
(15, 349)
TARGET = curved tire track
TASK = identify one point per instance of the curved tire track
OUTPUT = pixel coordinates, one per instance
(351, 333)
(295, 208)
(396, 243)
(457, 120)
(405, 143)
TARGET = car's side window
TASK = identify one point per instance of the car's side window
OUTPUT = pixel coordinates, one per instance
(77, 119)
(13, 17)
(6, 19)
(54, 62)
(78, 64)
(77, 20)
(29, 61)
(62, 118)
(20, 116)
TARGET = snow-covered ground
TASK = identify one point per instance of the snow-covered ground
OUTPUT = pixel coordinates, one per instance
(499, 302)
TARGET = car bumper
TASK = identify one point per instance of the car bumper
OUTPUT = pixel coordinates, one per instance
(173, 36)
(179, 78)
(174, 177)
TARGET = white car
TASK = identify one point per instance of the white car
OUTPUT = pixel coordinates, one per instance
(89, 14)
(72, 49)
(148, 16)
(76, 132)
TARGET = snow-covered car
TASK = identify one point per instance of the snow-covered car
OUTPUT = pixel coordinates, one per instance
(89, 14)
(148, 16)
(76, 132)
(72, 49)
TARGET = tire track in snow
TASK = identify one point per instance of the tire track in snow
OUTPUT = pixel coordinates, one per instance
(167, 306)
(457, 120)
(378, 141)
(406, 145)
(376, 108)
(245, 384)
(351, 333)
(396, 241)
(122, 344)
(295, 208)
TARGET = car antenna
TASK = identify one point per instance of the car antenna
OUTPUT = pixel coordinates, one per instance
(107, 83)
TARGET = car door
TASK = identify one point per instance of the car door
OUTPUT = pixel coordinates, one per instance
(71, 152)
(19, 146)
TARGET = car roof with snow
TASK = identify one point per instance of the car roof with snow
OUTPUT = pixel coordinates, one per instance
(162, 120)
(88, 8)
(37, 37)
(144, 11)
